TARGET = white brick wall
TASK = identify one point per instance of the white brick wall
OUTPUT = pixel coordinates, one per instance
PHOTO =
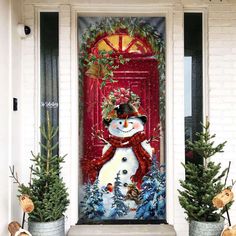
(222, 83)
(28, 101)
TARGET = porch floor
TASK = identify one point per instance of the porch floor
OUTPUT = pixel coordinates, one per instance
(122, 230)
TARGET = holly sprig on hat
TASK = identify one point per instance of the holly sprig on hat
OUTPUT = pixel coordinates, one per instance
(117, 97)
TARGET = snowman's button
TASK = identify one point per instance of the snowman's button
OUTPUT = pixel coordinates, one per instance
(125, 185)
(124, 159)
(124, 172)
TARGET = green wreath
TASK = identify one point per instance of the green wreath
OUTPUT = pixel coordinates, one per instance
(116, 98)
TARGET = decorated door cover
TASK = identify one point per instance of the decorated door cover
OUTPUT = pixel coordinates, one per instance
(122, 119)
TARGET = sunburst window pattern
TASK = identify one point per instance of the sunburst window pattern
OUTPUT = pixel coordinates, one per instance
(121, 43)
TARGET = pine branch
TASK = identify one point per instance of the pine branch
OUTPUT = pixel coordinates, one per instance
(14, 175)
(227, 174)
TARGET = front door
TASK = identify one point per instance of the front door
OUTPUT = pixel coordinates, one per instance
(120, 129)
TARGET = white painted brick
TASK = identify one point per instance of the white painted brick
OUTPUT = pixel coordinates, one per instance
(222, 35)
(224, 8)
(224, 30)
(219, 51)
(220, 22)
(233, 49)
(223, 15)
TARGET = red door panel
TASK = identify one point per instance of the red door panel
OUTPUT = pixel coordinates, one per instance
(140, 75)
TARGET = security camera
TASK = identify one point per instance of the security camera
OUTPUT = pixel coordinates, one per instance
(23, 30)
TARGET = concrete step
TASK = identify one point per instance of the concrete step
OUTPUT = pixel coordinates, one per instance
(122, 230)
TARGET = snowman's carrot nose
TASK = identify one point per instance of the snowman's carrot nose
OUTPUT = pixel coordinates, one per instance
(126, 123)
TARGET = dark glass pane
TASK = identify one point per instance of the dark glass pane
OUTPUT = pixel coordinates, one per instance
(193, 77)
(49, 97)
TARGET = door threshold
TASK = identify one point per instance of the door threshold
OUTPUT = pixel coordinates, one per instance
(122, 230)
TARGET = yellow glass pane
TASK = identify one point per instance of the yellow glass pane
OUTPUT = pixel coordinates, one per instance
(102, 46)
(114, 39)
(134, 48)
(125, 41)
(141, 47)
(138, 48)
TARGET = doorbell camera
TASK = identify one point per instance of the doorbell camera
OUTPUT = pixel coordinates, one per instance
(23, 30)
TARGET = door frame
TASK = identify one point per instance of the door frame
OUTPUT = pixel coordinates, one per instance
(139, 10)
(68, 73)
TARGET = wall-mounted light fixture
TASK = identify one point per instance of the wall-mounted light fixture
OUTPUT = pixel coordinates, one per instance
(23, 30)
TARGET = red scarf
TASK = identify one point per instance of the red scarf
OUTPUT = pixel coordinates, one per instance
(141, 154)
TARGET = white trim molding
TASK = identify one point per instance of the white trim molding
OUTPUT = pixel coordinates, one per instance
(143, 10)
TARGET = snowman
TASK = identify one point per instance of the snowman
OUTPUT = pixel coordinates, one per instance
(127, 150)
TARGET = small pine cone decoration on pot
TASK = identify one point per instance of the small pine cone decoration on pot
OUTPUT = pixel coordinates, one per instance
(15, 229)
(223, 198)
(26, 203)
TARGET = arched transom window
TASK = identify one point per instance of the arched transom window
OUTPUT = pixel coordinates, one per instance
(123, 43)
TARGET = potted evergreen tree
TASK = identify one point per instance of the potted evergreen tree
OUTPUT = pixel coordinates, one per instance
(203, 182)
(46, 188)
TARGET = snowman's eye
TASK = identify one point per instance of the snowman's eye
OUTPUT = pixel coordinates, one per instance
(120, 122)
(131, 122)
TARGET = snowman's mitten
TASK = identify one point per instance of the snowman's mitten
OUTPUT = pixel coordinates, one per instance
(97, 163)
(92, 172)
(94, 164)
(89, 171)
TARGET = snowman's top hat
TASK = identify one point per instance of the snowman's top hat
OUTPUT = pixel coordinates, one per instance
(126, 110)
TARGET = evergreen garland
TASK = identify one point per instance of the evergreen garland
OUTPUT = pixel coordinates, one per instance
(101, 64)
(203, 181)
(134, 27)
